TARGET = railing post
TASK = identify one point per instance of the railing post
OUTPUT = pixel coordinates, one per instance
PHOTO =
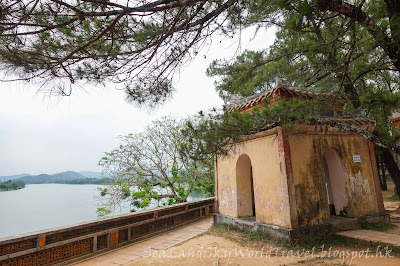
(113, 240)
(41, 241)
(94, 244)
(129, 233)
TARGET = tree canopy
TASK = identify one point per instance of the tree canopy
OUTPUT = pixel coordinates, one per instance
(142, 43)
(150, 169)
(11, 185)
(349, 46)
(326, 51)
(139, 44)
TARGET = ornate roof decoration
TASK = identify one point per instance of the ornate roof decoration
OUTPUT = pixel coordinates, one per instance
(394, 118)
(279, 90)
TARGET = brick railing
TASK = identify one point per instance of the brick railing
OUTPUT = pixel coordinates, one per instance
(67, 244)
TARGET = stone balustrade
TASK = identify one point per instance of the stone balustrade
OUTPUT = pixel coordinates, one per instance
(67, 244)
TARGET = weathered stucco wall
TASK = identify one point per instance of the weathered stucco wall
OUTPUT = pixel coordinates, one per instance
(307, 153)
(270, 189)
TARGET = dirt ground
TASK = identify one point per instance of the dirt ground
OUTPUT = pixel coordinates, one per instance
(209, 249)
(393, 211)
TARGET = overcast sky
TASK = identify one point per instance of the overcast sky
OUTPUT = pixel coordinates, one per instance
(41, 134)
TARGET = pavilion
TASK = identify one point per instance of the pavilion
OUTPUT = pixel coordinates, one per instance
(290, 184)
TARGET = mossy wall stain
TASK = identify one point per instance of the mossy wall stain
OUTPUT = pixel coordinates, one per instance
(311, 197)
(309, 177)
(310, 188)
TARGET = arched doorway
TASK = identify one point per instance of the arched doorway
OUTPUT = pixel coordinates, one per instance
(245, 187)
(335, 177)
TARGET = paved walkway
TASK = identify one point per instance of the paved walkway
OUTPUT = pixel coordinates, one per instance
(373, 236)
(391, 205)
(135, 251)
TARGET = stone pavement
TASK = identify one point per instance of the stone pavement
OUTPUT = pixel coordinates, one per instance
(373, 236)
(134, 251)
(376, 236)
(391, 205)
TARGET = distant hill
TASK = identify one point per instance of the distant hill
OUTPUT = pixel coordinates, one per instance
(56, 178)
(90, 174)
(12, 177)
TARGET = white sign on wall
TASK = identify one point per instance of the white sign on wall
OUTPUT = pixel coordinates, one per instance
(356, 158)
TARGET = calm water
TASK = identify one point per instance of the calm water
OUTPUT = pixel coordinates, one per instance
(45, 206)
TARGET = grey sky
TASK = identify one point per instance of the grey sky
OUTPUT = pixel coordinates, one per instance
(41, 134)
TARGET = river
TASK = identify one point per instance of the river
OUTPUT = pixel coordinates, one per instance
(46, 206)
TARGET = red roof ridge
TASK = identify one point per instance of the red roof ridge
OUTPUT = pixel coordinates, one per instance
(394, 118)
(271, 94)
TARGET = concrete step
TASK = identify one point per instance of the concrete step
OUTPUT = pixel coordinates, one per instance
(343, 223)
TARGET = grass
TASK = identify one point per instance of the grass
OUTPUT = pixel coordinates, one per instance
(380, 226)
(389, 194)
(258, 239)
(244, 237)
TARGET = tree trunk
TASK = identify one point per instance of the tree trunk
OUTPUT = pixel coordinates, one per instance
(350, 91)
(393, 9)
(391, 146)
(379, 166)
(393, 169)
(389, 43)
(384, 184)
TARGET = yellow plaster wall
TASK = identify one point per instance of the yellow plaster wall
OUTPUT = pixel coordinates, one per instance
(307, 153)
(271, 198)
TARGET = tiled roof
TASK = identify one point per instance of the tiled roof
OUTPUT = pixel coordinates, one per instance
(394, 118)
(257, 99)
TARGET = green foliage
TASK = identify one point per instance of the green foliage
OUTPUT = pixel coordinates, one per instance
(136, 44)
(381, 104)
(389, 194)
(151, 169)
(140, 44)
(102, 191)
(244, 77)
(381, 226)
(102, 212)
(63, 179)
(12, 185)
(312, 49)
(216, 132)
(102, 181)
(322, 52)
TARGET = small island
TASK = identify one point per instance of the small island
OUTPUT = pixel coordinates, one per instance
(12, 185)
